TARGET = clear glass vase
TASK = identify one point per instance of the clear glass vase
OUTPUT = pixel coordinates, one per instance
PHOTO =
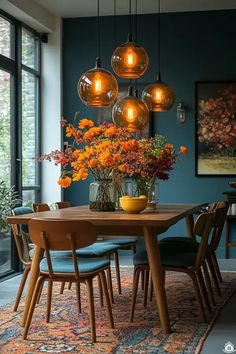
(102, 195)
(150, 188)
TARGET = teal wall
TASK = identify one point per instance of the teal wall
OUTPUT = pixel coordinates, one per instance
(195, 46)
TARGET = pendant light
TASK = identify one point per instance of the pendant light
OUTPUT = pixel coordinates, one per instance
(97, 87)
(129, 60)
(158, 96)
(130, 112)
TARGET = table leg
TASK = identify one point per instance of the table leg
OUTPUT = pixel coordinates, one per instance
(190, 224)
(34, 272)
(157, 278)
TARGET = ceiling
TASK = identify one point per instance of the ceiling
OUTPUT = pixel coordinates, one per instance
(87, 8)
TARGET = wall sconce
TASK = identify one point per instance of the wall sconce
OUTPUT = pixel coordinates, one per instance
(181, 113)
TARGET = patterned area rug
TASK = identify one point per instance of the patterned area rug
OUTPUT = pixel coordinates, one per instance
(69, 333)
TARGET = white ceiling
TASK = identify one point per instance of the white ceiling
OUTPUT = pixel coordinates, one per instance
(84, 8)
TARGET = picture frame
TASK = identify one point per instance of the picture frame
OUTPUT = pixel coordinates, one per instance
(215, 129)
(105, 113)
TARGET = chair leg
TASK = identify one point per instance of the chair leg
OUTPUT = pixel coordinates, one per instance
(208, 284)
(77, 286)
(217, 268)
(32, 305)
(117, 267)
(142, 279)
(109, 278)
(214, 277)
(151, 289)
(69, 285)
(107, 298)
(21, 287)
(203, 290)
(146, 281)
(62, 287)
(49, 300)
(89, 285)
(40, 293)
(100, 290)
(198, 296)
(137, 272)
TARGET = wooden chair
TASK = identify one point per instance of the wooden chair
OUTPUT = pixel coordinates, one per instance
(54, 235)
(37, 207)
(21, 237)
(62, 205)
(175, 258)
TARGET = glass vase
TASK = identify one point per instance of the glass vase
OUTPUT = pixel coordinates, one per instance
(150, 188)
(102, 195)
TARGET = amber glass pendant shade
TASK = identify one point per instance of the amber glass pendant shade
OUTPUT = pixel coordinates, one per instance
(130, 112)
(159, 97)
(97, 87)
(129, 60)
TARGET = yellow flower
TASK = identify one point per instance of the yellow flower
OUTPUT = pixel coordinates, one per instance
(64, 182)
(85, 123)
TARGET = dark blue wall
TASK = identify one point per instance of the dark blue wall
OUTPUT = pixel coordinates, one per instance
(195, 46)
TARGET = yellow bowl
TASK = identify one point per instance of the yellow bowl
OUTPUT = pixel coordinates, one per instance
(133, 205)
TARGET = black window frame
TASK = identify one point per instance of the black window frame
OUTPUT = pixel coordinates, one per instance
(14, 66)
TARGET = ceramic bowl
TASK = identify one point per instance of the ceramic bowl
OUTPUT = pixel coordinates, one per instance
(133, 205)
(232, 184)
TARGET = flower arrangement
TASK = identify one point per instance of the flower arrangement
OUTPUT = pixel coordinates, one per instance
(217, 121)
(108, 153)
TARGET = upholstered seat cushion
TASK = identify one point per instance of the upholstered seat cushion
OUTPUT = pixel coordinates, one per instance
(53, 253)
(98, 249)
(179, 239)
(65, 265)
(122, 241)
(171, 255)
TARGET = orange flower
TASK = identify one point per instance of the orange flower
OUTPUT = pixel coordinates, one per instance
(169, 146)
(91, 133)
(70, 131)
(64, 182)
(184, 150)
(85, 123)
(122, 168)
(110, 132)
(93, 163)
(82, 174)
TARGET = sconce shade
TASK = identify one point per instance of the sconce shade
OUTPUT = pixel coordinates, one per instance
(159, 97)
(97, 87)
(129, 60)
(130, 112)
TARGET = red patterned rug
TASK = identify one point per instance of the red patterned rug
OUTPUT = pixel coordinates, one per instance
(69, 333)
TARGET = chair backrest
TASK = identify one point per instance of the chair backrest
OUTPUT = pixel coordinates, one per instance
(62, 235)
(62, 205)
(221, 209)
(21, 235)
(37, 207)
(203, 227)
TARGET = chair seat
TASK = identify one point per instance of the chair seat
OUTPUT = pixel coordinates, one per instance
(65, 265)
(122, 241)
(171, 255)
(98, 249)
(179, 239)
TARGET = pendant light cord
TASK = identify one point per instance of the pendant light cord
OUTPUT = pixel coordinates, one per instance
(130, 22)
(98, 29)
(159, 38)
(136, 40)
(115, 25)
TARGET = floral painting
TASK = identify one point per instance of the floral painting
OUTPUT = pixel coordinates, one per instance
(215, 128)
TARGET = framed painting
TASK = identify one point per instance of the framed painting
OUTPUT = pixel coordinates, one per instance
(105, 113)
(215, 139)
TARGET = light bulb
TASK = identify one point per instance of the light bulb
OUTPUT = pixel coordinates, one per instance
(131, 58)
(158, 95)
(131, 114)
(98, 83)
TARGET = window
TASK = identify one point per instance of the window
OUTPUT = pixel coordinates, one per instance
(19, 119)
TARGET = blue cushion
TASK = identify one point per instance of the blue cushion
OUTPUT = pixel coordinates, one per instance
(171, 255)
(98, 249)
(65, 265)
(178, 239)
(53, 253)
(122, 241)
(21, 211)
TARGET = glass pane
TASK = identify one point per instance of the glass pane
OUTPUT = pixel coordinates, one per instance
(5, 37)
(29, 49)
(5, 161)
(28, 198)
(29, 86)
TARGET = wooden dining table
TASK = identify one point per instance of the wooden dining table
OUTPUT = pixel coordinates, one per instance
(148, 224)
